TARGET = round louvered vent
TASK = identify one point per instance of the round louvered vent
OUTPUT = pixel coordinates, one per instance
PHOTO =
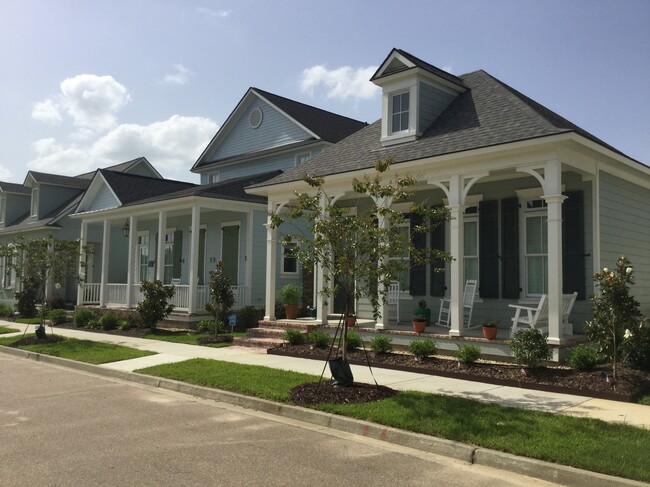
(256, 118)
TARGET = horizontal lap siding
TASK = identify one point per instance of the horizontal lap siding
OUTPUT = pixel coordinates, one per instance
(625, 230)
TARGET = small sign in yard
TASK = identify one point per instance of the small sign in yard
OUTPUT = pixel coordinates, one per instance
(232, 321)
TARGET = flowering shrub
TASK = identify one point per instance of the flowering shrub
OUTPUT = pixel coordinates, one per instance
(635, 349)
(614, 309)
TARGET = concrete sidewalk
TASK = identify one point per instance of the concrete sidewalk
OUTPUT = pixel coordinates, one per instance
(611, 411)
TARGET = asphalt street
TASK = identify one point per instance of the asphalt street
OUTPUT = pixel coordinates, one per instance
(60, 427)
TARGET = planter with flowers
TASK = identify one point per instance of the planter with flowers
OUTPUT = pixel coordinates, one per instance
(490, 329)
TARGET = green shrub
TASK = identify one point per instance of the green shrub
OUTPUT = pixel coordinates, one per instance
(6, 310)
(468, 354)
(381, 344)
(584, 357)
(248, 317)
(109, 321)
(26, 299)
(422, 348)
(529, 347)
(208, 326)
(155, 306)
(354, 341)
(294, 337)
(124, 324)
(83, 316)
(290, 293)
(57, 316)
(319, 338)
(93, 323)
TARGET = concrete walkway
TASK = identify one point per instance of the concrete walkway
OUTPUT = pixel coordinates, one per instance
(611, 411)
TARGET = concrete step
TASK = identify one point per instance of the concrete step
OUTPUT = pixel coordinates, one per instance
(294, 324)
(264, 332)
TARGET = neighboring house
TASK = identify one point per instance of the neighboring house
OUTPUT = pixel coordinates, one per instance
(537, 204)
(145, 228)
(42, 206)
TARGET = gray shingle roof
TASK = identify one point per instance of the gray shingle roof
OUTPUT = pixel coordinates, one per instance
(122, 167)
(327, 125)
(14, 188)
(57, 180)
(489, 113)
(133, 188)
(230, 189)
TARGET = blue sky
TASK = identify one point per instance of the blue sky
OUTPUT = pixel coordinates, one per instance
(86, 84)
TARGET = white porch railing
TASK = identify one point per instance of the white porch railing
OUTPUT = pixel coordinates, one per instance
(117, 293)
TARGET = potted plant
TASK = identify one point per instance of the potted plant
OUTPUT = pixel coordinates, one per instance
(490, 329)
(350, 319)
(290, 295)
(419, 323)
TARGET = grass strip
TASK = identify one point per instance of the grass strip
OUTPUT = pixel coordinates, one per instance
(188, 338)
(4, 329)
(82, 350)
(590, 444)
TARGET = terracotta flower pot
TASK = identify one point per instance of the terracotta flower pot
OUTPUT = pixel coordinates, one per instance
(419, 326)
(490, 332)
(291, 311)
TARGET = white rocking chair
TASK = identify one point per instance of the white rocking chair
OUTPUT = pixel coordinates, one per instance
(468, 306)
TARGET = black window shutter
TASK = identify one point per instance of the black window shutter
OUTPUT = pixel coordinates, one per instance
(438, 278)
(417, 276)
(573, 244)
(488, 252)
(510, 248)
(177, 254)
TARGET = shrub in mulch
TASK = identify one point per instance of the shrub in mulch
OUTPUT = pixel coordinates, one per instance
(214, 339)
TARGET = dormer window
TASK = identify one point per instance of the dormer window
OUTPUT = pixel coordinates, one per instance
(3, 204)
(35, 202)
(400, 112)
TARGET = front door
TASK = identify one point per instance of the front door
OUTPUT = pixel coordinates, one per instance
(230, 252)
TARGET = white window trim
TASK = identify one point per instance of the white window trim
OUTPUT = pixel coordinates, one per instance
(214, 177)
(3, 206)
(138, 247)
(282, 259)
(35, 201)
(297, 162)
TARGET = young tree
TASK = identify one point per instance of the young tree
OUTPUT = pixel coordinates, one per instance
(614, 309)
(40, 261)
(361, 252)
(221, 297)
(155, 305)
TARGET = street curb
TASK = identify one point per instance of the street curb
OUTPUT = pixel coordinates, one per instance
(480, 456)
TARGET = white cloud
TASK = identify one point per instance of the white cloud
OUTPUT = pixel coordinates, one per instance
(47, 111)
(172, 146)
(213, 14)
(181, 76)
(92, 101)
(342, 83)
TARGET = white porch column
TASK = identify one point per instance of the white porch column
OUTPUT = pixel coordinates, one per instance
(194, 257)
(554, 198)
(130, 274)
(322, 309)
(457, 270)
(83, 272)
(250, 230)
(271, 255)
(160, 251)
(382, 224)
(106, 247)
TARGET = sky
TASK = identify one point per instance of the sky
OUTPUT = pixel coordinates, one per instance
(92, 83)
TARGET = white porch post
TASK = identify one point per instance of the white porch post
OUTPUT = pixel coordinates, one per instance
(382, 224)
(320, 278)
(106, 241)
(271, 255)
(250, 229)
(457, 270)
(133, 235)
(160, 251)
(83, 272)
(554, 198)
(194, 258)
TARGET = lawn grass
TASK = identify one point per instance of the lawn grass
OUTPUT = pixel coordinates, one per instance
(82, 350)
(29, 321)
(188, 337)
(4, 329)
(589, 444)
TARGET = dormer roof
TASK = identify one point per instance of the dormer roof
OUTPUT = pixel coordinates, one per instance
(55, 180)
(127, 166)
(14, 188)
(399, 61)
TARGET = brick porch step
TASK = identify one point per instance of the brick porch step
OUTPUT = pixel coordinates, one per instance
(258, 342)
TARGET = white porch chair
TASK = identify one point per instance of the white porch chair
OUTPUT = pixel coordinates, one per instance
(468, 306)
(568, 300)
(393, 299)
(536, 317)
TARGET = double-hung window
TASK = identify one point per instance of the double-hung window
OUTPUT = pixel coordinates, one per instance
(289, 260)
(535, 248)
(400, 112)
(169, 258)
(471, 243)
(143, 257)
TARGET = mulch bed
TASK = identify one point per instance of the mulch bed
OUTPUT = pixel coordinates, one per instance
(37, 341)
(629, 385)
(326, 392)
